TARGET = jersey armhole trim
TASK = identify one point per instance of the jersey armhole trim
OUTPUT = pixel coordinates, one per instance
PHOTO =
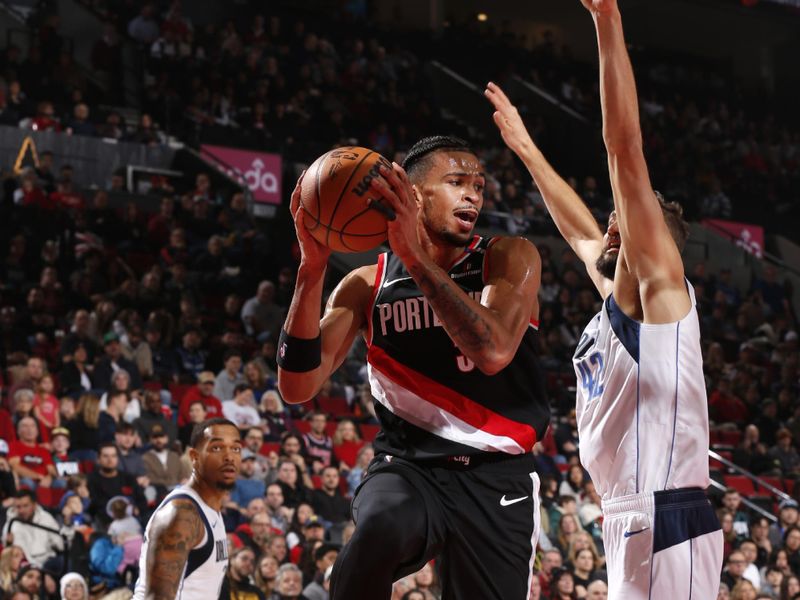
(380, 276)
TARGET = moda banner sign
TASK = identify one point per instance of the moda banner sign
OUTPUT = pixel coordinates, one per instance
(259, 170)
(745, 235)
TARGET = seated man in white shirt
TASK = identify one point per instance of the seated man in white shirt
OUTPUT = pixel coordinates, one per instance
(241, 410)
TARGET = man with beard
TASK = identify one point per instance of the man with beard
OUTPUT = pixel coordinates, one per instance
(641, 398)
(108, 481)
(185, 547)
(237, 584)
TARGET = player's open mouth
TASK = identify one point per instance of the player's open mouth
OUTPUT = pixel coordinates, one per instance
(466, 218)
(230, 470)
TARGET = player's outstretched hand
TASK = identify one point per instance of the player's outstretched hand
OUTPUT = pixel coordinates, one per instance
(508, 121)
(396, 190)
(599, 6)
(313, 253)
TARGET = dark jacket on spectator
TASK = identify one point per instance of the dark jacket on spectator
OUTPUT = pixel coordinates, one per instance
(103, 372)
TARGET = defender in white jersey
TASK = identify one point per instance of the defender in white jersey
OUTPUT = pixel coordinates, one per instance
(185, 555)
(641, 408)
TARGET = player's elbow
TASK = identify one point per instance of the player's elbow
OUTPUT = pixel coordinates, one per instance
(623, 142)
(294, 388)
(491, 363)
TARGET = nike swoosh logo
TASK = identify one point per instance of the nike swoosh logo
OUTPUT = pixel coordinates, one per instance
(215, 524)
(393, 281)
(630, 533)
(504, 502)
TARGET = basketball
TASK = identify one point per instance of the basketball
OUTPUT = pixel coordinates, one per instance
(334, 195)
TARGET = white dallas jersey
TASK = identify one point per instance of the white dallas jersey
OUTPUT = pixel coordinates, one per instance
(205, 568)
(641, 403)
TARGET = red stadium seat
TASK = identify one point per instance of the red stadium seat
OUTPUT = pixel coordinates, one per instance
(152, 385)
(369, 431)
(302, 426)
(715, 464)
(336, 406)
(317, 481)
(268, 447)
(178, 391)
(563, 467)
(741, 483)
(776, 482)
(49, 497)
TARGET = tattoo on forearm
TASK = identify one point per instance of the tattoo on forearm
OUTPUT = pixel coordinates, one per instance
(466, 326)
(169, 549)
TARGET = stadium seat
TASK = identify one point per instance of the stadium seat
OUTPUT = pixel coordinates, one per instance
(317, 481)
(49, 497)
(336, 406)
(152, 385)
(730, 438)
(369, 431)
(178, 391)
(741, 483)
(269, 447)
(776, 482)
(302, 426)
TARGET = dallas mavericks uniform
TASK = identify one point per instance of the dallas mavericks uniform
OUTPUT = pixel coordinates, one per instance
(643, 426)
(208, 561)
(462, 437)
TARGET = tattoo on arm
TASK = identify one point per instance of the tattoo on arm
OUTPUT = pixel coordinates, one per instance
(467, 326)
(169, 547)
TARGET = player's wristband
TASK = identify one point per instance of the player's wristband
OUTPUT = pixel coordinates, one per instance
(299, 355)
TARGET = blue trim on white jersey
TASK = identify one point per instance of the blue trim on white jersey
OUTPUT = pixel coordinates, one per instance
(681, 515)
(625, 328)
(675, 413)
(638, 379)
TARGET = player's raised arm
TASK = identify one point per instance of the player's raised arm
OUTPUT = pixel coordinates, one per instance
(648, 247)
(175, 530)
(310, 349)
(487, 332)
(573, 219)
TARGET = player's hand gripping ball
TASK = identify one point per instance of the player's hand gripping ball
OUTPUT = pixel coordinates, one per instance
(341, 211)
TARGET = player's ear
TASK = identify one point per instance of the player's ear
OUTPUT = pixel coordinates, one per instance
(193, 455)
(417, 195)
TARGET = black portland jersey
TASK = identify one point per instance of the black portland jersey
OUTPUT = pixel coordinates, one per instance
(432, 401)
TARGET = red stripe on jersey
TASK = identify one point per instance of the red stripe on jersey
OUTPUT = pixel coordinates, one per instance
(376, 288)
(449, 400)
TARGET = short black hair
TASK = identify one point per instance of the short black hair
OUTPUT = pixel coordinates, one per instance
(125, 427)
(26, 493)
(416, 160)
(230, 353)
(105, 445)
(199, 429)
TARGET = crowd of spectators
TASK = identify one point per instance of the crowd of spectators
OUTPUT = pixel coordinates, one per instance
(120, 330)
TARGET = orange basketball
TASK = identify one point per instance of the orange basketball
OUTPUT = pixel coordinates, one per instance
(334, 196)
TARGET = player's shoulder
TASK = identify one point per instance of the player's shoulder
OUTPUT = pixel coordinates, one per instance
(516, 248)
(181, 515)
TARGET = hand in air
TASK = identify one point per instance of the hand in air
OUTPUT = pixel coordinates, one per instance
(599, 6)
(313, 253)
(508, 121)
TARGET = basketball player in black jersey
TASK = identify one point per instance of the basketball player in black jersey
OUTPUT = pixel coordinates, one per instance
(449, 318)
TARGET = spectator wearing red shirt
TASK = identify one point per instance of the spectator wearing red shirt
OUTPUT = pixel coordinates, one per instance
(346, 443)
(45, 119)
(32, 463)
(66, 198)
(45, 404)
(725, 406)
(204, 392)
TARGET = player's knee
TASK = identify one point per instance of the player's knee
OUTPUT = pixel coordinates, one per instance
(400, 524)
